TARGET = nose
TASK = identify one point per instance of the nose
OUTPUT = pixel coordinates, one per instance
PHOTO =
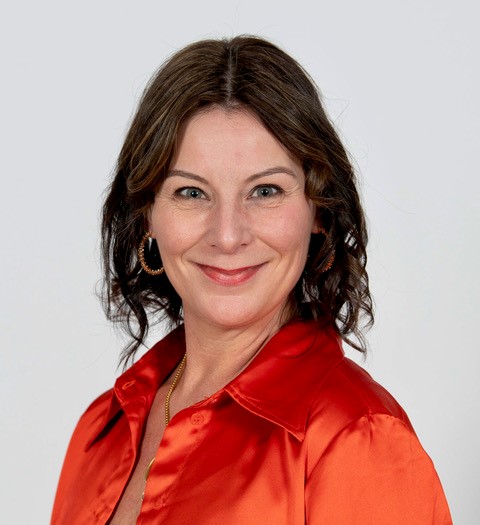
(229, 227)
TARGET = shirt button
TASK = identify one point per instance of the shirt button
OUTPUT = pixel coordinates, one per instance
(197, 418)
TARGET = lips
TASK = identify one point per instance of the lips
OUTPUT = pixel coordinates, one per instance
(226, 277)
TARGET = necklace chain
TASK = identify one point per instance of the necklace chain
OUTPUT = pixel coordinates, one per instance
(176, 379)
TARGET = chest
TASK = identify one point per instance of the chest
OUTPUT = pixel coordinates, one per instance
(216, 463)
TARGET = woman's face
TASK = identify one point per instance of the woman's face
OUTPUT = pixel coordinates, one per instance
(232, 220)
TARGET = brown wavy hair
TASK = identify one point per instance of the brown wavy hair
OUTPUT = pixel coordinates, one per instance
(242, 72)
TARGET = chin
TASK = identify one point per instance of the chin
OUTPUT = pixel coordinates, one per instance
(231, 316)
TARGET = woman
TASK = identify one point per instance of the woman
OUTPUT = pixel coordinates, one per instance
(234, 214)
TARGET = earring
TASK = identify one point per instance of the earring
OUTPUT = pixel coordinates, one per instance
(141, 257)
(332, 257)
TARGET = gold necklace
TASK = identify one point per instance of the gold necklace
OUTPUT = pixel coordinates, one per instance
(176, 379)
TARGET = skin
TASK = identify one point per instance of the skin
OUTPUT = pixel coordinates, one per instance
(233, 225)
(232, 222)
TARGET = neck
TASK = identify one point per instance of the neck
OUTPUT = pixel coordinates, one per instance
(216, 355)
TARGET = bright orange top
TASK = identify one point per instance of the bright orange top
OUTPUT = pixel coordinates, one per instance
(302, 436)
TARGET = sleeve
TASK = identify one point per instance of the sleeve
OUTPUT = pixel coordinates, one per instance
(375, 472)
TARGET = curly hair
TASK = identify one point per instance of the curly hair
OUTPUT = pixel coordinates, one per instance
(251, 73)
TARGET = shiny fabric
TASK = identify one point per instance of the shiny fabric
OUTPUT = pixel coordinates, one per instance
(302, 436)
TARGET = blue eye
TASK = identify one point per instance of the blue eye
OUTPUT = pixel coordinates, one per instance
(266, 191)
(190, 193)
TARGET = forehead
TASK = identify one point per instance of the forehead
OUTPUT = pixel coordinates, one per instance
(229, 136)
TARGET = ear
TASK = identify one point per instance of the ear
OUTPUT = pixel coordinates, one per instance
(315, 224)
(315, 219)
(148, 222)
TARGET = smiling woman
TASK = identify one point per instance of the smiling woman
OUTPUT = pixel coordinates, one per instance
(234, 214)
(235, 243)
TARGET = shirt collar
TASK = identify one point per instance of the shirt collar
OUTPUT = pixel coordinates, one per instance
(282, 382)
(135, 389)
(278, 385)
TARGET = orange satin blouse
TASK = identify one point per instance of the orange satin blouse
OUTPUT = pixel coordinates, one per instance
(302, 436)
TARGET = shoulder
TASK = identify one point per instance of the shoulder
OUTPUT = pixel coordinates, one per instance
(93, 420)
(364, 462)
(323, 380)
(348, 392)
(346, 397)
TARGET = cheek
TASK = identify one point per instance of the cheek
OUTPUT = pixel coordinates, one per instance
(290, 230)
(174, 232)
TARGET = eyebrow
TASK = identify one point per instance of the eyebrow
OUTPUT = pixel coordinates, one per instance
(255, 176)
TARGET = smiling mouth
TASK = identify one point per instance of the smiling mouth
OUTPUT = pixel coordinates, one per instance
(229, 277)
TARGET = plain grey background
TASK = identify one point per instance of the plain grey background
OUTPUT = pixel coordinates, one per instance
(400, 80)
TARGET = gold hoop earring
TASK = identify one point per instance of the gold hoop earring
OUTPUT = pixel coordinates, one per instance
(141, 257)
(332, 257)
